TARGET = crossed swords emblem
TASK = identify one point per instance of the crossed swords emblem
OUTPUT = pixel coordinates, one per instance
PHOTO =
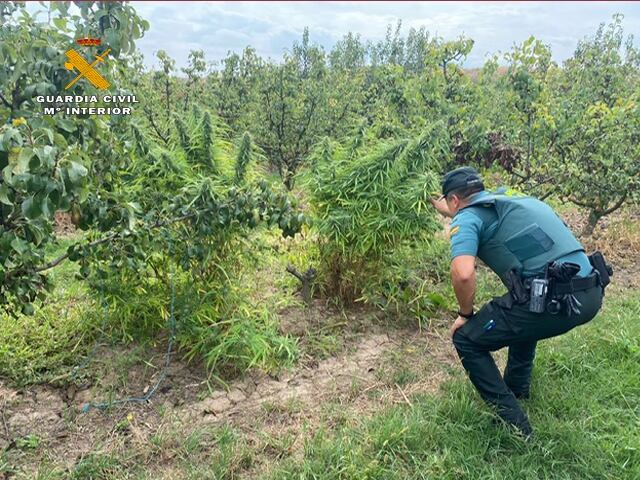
(86, 70)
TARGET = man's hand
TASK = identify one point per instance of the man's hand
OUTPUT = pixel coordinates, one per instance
(460, 321)
(441, 206)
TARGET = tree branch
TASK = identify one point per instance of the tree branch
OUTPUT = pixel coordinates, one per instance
(580, 204)
(547, 194)
(62, 258)
(616, 206)
(113, 236)
(4, 100)
(306, 279)
(292, 270)
(164, 138)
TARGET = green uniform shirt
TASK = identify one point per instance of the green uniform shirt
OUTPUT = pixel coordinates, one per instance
(469, 231)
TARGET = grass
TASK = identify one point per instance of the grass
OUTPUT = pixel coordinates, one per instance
(39, 347)
(585, 408)
(214, 453)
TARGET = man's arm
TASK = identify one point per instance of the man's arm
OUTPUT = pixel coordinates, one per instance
(441, 206)
(463, 278)
(465, 239)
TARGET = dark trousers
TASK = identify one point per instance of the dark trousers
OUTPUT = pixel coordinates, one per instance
(495, 326)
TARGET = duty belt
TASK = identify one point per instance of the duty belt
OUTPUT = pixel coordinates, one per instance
(575, 285)
(555, 290)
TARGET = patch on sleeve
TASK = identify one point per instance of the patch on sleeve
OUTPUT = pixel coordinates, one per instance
(454, 230)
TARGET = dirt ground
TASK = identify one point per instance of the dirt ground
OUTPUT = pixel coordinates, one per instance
(370, 372)
(374, 365)
(63, 225)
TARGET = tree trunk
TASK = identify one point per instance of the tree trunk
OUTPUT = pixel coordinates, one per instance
(596, 215)
(594, 218)
(306, 279)
(289, 180)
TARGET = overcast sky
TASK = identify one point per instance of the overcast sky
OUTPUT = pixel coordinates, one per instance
(272, 27)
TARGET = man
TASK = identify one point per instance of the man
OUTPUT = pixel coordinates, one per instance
(531, 249)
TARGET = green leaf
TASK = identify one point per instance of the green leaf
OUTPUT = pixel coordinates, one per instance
(31, 209)
(45, 205)
(60, 23)
(4, 195)
(74, 253)
(37, 232)
(27, 309)
(77, 172)
(66, 125)
(11, 52)
(19, 245)
(24, 157)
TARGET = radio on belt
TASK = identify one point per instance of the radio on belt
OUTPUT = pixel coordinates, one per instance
(539, 289)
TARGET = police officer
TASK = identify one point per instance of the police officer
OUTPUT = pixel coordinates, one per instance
(521, 239)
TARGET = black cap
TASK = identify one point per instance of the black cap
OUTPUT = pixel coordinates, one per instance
(463, 177)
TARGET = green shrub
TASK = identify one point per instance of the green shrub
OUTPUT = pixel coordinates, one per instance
(215, 323)
(215, 185)
(367, 203)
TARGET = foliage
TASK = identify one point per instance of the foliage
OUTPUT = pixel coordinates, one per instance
(369, 200)
(570, 131)
(216, 324)
(174, 211)
(524, 117)
(50, 342)
(412, 287)
(594, 105)
(200, 188)
(529, 121)
(159, 89)
(53, 163)
(49, 163)
(293, 95)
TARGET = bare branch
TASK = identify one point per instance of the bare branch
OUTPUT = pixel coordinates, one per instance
(292, 270)
(306, 279)
(4, 100)
(155, 127)
(579, 203)
(616, 206)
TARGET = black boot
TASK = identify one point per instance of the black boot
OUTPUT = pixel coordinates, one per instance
(521, 395)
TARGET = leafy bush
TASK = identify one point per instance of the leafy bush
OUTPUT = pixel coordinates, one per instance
(595, 106)
(211, 187)
(414, 285)
(367, 202)
(50, 163)
(215, 323)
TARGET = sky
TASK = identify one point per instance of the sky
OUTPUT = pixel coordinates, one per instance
(271, 27)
